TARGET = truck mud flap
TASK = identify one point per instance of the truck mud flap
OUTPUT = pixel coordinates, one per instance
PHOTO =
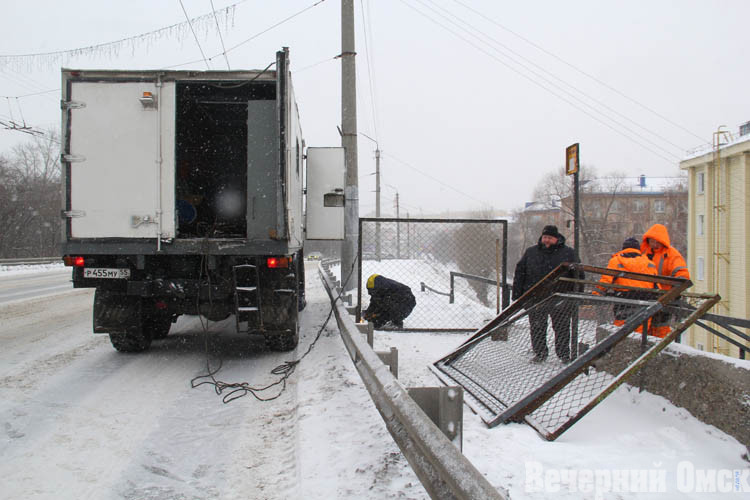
(115, 312)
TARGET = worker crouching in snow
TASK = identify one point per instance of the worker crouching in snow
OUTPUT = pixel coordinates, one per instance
(669, 262)
(629, 259)
(390, 302)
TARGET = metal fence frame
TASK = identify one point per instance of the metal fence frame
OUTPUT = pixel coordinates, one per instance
(503, 263)
(523, 408)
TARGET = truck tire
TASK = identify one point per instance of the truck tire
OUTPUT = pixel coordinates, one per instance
(158, 326)
(136, 340)
(120, 315)
(285, 340)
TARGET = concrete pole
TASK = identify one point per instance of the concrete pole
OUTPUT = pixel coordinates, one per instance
(349, 142)
(377, 201)
(398, 230)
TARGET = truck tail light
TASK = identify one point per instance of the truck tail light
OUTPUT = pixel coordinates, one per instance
(71, 260)
(278, 262)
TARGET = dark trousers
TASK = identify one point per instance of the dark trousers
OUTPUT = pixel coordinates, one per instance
(561, 326)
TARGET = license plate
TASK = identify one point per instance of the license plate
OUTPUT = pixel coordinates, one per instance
(108, 273)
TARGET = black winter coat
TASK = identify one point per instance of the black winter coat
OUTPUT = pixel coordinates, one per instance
(390, 298)
(537, 262)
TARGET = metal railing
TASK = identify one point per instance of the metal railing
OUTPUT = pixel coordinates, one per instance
(443, 470)
(28, 261)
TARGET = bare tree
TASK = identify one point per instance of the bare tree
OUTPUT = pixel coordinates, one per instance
(30, 198)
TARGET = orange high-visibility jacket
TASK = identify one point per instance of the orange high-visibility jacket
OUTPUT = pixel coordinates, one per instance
(631, 260)
(668, 261)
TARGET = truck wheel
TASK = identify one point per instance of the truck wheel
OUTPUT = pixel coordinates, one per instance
(158, 326)
(285, 340)
(135, 340)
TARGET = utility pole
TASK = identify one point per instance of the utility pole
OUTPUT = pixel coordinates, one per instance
(377, 195)
(377, 201)
(349, 142)
(398, 231)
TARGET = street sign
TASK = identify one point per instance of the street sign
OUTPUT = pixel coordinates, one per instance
(571, 159)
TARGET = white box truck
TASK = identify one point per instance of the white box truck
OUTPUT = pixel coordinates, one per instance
(183, 194)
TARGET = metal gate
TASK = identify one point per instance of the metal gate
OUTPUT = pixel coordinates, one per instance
(456, 268)
(506, 379)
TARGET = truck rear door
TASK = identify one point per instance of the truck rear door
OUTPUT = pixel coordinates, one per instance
(120, 158)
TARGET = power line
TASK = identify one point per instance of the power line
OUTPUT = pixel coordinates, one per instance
(369, 73)
(254, 36)
(221, 38)
(436, 179)
(535, 82)
(587, 96)
(187, 18)
(597, 80)
(29, 95)
(328, 59)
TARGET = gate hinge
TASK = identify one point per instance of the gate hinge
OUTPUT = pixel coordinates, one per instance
(70, 214)
(72, 105)
(72, 158)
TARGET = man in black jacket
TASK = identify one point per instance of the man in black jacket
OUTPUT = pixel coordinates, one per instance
(390, 301)
(536, 263)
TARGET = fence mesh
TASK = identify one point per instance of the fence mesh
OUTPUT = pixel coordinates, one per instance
(454, 268)
(551, 356)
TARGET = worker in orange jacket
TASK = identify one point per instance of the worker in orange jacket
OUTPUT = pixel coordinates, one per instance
(628, 259)
(668, 262)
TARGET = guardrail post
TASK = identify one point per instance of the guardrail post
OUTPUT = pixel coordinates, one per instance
(444, 406)
(368, 330)
(390, 359)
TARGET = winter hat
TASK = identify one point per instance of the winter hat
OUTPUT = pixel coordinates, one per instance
(550, 231)
(631, 243)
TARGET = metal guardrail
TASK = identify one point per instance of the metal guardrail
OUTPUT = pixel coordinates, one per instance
(443, 470)
(29, 261)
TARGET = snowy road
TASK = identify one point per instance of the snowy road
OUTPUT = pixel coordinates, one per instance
(25, 286)
(80, 421)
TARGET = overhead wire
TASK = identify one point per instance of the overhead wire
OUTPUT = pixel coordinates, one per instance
(592, 77)
(527, 77)
(289, 18)
(552, 75)
(436, 180)
(369, 74)
(221, 37)
(197, 42)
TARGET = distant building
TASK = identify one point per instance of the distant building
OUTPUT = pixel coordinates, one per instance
(613, 209)
(719, 225)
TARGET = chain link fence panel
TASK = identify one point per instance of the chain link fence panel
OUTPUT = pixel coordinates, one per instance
(456, 269)
(567, 343)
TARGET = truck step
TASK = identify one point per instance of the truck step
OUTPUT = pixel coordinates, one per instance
(247, 309)
(246, 288)
(245, 266)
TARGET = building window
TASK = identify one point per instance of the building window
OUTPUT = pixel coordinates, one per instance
(615, 208)
(701, 221)
(701, 182)
(700, 346)
(701, 269)
(659, 206)
(639, 206)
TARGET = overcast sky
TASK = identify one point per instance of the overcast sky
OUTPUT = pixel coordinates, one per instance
(472, 101)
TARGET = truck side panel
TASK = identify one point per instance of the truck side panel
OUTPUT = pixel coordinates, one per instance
(118, 185)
